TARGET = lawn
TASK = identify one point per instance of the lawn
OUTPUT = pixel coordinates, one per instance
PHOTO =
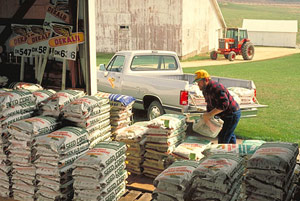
(235, 13)
(277, 82)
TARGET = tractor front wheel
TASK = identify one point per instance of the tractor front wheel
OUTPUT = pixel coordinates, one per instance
(231, 56)
(214, 55)
(248, 51)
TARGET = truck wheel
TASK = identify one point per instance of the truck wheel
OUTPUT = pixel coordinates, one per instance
(231, 56)
(248, 51)
(214, 55)
(155, 110)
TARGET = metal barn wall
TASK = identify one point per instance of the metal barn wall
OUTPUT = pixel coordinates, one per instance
(273, 39)
(138, 24)
(201, 27)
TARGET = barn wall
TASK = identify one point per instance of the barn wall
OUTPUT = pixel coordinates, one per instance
(138, 24)
(275, 39)
(201, 27)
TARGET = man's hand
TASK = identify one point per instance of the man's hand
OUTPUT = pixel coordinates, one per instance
(206, 117)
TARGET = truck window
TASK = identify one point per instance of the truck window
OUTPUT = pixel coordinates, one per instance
(116, 64)
(153, 62)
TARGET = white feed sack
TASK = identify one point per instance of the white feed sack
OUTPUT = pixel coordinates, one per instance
(3, 80)
(218, 177)
(42, 95)
(246, 96)
(12, 98)
(271, 172)
(210, 129)
(5, 173)
(195, 95)
(25, 86)
(175, 181)
(54, 104)
(191, 148)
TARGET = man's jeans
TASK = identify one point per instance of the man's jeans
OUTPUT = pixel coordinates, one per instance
(226, 135)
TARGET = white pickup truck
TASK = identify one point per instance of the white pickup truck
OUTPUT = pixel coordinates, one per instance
(157, 82)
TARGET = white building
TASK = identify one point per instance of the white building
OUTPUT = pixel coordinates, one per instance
(188, 27)
(278, 33)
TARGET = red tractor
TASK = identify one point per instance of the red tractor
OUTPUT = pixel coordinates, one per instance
(235, 43)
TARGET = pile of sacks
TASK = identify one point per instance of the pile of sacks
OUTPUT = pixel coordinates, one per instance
(21, 153)
(134, 136)
(25, 86)
(14, 106)
(56, 153)
(91, 113)
(218, 177)
(120, 112)
(191, 148)
(53, 105)
(270, 173)
(5, 172)
(242, 95)
(100, 173)
(296, 196)
(210, 129)
(173, 183)
(164, 134)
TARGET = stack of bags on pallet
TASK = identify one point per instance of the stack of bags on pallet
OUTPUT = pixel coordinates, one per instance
(191, 148)
(91, 113)
(173, 183)
(56, 153)
(164, 134)
(121, 110)
(5, 172)
(55, 103)
(21, 153)
(218, 177)
(42, 95)
(100, 173)
(134, 136)
(14, 106)
(270, 173)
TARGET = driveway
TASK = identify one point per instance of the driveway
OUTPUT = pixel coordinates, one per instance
(261, 53)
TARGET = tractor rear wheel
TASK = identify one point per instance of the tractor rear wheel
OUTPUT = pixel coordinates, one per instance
(214, 55)
(231, 56)
(248, 51)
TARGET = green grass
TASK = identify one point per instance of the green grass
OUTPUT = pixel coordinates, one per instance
(103, 58)
(197, 57)
(277, 82)
(235, 13)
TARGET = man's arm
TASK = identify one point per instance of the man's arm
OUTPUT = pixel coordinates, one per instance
(208, 115)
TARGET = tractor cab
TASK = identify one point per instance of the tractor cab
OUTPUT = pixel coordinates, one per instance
(234, 43)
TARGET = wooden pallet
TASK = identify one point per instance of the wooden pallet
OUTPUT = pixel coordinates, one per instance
(131, 195)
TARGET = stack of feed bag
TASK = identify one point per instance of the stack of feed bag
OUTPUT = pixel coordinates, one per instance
(121, 110)
(196, 96)
(15, 105)
(191, 148)
(164, 134)
(56, 153)
(134, 136)
(91, 113)
(42, 95)
(243, 95)
(53, 105)
(5, 171)
(100, 173)
(218, 177)
(174, 182)
(22, 154)
(270, 173)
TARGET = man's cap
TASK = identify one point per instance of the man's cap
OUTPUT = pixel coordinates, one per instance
(201, 74)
